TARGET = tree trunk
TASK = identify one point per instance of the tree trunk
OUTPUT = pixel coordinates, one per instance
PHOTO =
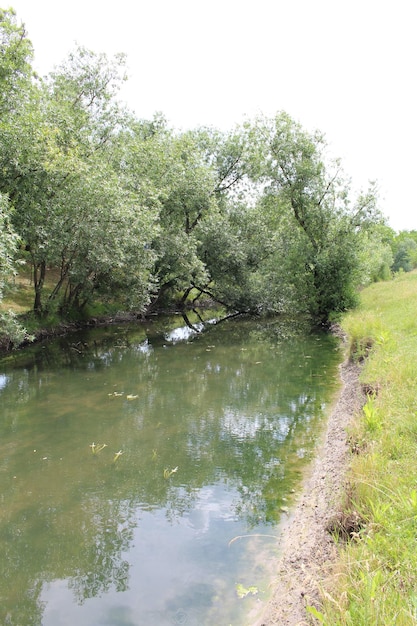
(39, 271)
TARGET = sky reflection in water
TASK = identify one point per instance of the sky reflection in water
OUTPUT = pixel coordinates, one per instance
(89, 540)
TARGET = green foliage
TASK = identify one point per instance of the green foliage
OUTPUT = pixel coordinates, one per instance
(113, 208)
(242, 591)
(316, 614)
(15, 57)
(12, 333)
(372, 420)
(291, 167)
(240, 253)
(8, 244)
(71, 208)
(405, 251)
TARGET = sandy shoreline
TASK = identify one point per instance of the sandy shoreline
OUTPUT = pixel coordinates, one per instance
(306, 548)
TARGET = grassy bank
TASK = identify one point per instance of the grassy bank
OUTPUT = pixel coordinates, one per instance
(25, 326)
(375, 582)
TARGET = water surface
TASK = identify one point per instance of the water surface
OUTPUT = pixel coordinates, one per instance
(213, 426)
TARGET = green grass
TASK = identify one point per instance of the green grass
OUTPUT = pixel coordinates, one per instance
(375, 581)
(19, 298)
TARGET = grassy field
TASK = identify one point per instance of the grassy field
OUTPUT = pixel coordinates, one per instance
(375, 582)
(20, 295)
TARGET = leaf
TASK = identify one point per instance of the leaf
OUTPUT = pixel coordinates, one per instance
(316, 613)
(242, 591)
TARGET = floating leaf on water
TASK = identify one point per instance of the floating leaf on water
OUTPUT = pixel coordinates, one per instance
(97, 447)
(242, 591)
(168, 472)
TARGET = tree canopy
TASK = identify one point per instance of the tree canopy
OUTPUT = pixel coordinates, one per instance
(101, 205)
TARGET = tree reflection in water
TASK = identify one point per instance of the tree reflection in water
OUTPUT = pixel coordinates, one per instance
(237, 409)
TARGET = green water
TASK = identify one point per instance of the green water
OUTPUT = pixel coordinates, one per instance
(95, 539)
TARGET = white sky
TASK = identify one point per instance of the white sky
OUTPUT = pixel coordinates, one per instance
(345, 67)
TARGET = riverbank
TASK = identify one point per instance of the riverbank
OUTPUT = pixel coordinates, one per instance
(362, 484)
(307, 550)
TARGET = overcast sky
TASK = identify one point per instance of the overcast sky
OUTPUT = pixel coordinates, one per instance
(345, 67)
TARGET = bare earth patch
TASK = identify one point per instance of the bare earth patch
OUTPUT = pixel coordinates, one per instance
(306, 548)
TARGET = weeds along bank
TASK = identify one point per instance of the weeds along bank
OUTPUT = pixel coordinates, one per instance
(375, 582)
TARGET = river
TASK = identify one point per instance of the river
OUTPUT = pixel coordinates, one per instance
(145, 468)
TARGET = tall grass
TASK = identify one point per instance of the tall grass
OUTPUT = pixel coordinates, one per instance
(375, 581)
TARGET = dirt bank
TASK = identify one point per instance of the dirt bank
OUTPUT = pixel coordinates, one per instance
(306, 547)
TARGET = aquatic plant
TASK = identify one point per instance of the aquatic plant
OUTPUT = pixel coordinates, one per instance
(242, 591)
(168, 472)
(97, 447)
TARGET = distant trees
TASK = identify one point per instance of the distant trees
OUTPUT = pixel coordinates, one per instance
(107, 206)
(404, 246)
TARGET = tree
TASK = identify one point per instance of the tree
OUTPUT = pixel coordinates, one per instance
(16, 53)
(179, 183)
(8, 244)
(106, 204)
(290, 163)
(237, 247)
(11, 331)
(376, 256)
(15, 82)
(205, 175)
(404, 247)
(71, 208)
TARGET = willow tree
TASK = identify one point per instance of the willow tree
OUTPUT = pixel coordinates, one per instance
(15, 77)
(180, 172)
(72, 211)
(15, 83)
(16, 53)
(205, 175)
(313, 195)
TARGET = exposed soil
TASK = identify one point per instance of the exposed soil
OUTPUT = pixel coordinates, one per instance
(306, 547)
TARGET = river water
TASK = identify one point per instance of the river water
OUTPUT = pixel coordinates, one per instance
(145, 469)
